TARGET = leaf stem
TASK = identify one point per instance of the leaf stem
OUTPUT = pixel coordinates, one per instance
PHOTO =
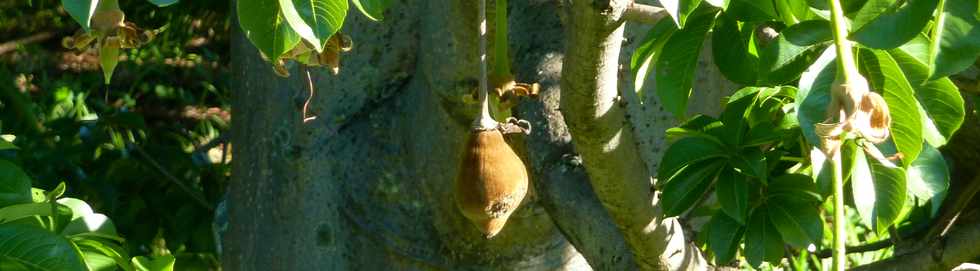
(937, 33)
(846, 69)
(501, 56)
(845, 55)
(484, 121)
(840, 232)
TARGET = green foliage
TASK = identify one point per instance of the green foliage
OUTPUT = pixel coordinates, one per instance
(264, 25)
(63, 234)
(760, 157)
(313, 20)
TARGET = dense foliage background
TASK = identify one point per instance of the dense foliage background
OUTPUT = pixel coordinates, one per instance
(146, 150)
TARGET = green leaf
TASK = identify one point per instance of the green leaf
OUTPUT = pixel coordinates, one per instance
(687, 151)
(940, 103)
(681, 191)
(752, 162)
(798, 221)
(81, 11)
(737, 60)
(762, 241)
(723, 237)
(884, 75)
(960, 39)
(722, 4)
(56, 192)
(783, 59)
(680, 10)
(675, 69)
(869, 11)
(263, 25)
(18, 211)
(314, 20)
(156, 263)
(821, 166)
(879, 192)
(163, 3)
(105, 251)
(373, 9)
(648, 52)
(93, 222)
(796, 186)
(78, 207)
(6, 145)
(38, 248)
(732, 191)
(893, 28)
(814, 94)
(15, 186)
(928, 177)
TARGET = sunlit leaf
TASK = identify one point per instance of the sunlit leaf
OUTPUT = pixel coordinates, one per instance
(314, 20)
(893, 28)
(928, 177)
(263, 25)
(675, 69)
(38, 248)
(959, 45)
(680, 10)
(814, 94)
(373, 9)
(885, 76)
(81, 11)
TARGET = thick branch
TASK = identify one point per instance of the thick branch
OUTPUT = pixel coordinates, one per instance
(600, 134)
(959, 246)
(644, 13)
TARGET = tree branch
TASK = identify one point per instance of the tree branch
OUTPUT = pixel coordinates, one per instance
(644, 13)
(589, 103)
(959, 246)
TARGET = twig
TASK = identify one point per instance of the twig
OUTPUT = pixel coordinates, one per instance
(306, 105)
(877, 245)
(11, 45)
(197, 197)
(644, 13)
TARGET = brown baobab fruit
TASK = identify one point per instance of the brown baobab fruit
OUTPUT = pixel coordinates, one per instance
(492, 181)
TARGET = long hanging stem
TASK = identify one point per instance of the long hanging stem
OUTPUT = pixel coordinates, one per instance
(839, 219)
(501, 65)
(484, 121)
(845, 56)
(846, 68)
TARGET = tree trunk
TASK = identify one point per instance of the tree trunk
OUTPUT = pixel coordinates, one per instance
(367, 185)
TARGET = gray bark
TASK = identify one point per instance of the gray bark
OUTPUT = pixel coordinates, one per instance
(367, 184)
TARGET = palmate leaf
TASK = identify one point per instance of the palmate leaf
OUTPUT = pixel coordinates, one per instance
(940, 103)
(373, 9)
(38, 248)
(314, 20)
(732, 191)
(879, 190)
(81, 11)
(814, 94)
(884, 75)
(263, 25)
(928, 177)
(680, 10)
(682, 190)
(675, 71)
(893, 28)
(15, 186)
(645, 56)
(796, 219)
(723, 237)
(762, 240)
(737, 60)
(163, 3)
(786, 57)
(687, 151)
(959, 42)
